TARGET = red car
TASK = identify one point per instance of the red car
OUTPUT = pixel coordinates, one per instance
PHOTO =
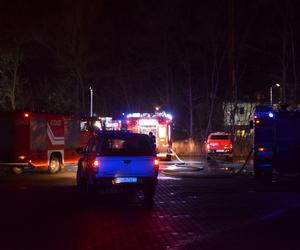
(219, 144)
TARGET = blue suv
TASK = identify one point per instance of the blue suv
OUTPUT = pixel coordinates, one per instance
(118, 158)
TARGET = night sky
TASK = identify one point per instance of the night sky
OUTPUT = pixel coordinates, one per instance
(140, 54)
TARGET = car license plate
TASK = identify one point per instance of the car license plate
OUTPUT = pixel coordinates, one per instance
(220, 150)
(125, 179)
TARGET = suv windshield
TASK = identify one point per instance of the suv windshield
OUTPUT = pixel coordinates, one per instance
(126, 145)
(219, 137)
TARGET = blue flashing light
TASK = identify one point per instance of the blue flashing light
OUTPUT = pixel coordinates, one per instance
(263, 165)
(269, 153)
(264, 112)
(271, 115)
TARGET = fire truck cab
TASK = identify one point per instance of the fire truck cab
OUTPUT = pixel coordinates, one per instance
(160, 126)
(38, 140)
(276, 141)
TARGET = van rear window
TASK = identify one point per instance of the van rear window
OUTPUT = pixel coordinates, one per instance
(219, 137)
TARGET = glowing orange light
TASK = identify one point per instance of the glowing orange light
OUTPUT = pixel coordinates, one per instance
(257, 121)
(22, 157)
(155, 162)
(261, 149)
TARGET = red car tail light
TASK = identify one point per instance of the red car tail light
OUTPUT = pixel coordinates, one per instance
(156, 165)
(95, 164)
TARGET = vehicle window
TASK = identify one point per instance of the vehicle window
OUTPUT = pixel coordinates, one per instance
(126, 146)
(219, 137)
(38, 134)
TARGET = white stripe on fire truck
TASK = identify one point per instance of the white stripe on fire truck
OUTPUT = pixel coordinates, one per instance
(55, 140)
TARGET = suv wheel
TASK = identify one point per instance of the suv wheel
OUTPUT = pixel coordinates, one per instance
(83, 184)
(80, 179)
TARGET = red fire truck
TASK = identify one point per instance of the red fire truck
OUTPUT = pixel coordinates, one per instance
(159, 124)
(39, 140)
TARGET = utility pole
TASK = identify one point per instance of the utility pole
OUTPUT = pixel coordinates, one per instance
(271, 96)
(91, 108)
(231, 62)
(232, 51)
(277, 85)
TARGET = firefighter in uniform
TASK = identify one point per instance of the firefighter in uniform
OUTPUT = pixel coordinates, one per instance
(153, 139)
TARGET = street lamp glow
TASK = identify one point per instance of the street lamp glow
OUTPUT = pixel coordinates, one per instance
(271, 93)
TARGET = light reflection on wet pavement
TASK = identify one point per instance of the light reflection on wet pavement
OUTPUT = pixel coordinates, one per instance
(189, 213)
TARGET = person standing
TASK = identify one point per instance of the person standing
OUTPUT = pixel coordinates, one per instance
(153, 139)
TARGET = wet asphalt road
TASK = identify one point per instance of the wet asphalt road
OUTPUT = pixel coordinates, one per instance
(41, 211)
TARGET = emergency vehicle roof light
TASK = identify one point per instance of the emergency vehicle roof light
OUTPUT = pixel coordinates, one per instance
(169, 116)
(133, 115)
(264, 112)
(147, 122)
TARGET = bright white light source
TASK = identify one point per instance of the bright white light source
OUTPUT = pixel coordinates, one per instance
(169, 116)
(162, 132)
(133, 115)
(98, 124)
(147, 122)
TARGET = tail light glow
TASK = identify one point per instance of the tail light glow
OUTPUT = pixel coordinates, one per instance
(261, 149)
(156, 165)
(95, 164)
(26, 115)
